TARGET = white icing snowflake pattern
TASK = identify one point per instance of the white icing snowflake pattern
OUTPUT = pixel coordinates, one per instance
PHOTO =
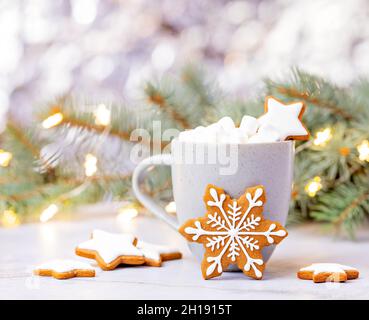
(234, 232)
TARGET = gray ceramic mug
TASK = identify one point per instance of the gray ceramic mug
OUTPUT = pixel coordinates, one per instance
(268, 164)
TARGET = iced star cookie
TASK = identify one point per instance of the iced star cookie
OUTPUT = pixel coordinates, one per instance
(156, 254)
(328, 272)
(64, 269)
(285, 118)
(110, 250)
(233, 231)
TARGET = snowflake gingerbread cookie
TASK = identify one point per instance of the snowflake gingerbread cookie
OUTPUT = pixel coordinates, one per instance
(233, 232)
(64, 269)
(328, 272)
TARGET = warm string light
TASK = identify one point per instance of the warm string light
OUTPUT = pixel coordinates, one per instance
(322, 137)
(102, 115)
(313, 186)
(344, 151)
(49, 213)
(171, 207)
(90, 165)
(363, 149)
(5, 158)
(294, 192)
(10, 219)
(127, 213)
(53, 120)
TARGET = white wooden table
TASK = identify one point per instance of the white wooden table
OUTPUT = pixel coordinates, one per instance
(26, 246)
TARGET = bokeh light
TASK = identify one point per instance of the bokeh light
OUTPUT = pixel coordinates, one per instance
(109, 48)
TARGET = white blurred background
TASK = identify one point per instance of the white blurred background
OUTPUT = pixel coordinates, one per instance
(107, 48)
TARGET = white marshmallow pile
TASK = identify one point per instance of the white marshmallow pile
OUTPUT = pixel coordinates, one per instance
(225, 131)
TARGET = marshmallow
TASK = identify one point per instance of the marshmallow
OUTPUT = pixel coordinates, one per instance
(199, 134)
(236, 136)
(240, 135)
(203, 135)
(186, 136)
(226, 123)
(214, 128)
(249, 125)
(224, 131)
(222, 136)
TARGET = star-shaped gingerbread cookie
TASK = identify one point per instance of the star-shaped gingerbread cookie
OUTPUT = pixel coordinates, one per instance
(286, 118)
(110, 250)
(64, 269)
(233, 231)
(328, 272)
(155, 254)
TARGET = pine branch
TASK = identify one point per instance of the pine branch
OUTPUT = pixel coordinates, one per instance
(69, 182)
(345, 214)
(316, 92)
(334, 160)
(186, 101)
(327, 104)
(20, 135)
(25, 153)
(346, 206)
(78, 123)
(80, 114)
(28, 191)
(98, 178)
(66, 144)
(194, 80)
(360, 90)
(65, 193)
(166, 106)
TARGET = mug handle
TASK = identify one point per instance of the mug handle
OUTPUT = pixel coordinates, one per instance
(147, 201)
